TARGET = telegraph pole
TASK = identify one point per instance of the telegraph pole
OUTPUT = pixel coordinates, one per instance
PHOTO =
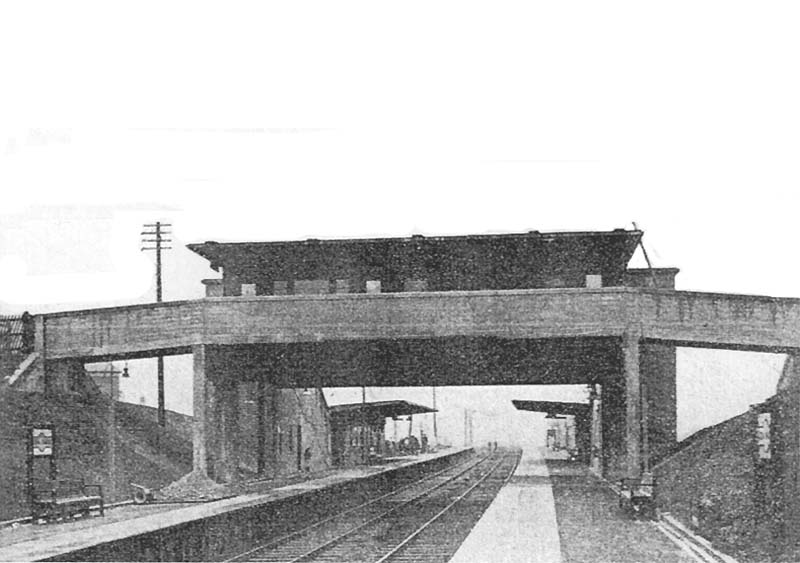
(112, 427)
(471, 440)
(161, 232)
(435, 431)
(364, 455)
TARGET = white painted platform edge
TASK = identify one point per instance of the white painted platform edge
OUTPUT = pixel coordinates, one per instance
(673, 523)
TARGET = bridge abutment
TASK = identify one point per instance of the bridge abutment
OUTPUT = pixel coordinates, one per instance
(638, 408)
(658, 368)
(216, 417)
(635, 419)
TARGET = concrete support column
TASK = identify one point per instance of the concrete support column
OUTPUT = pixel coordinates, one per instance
(658, 369)
(596, 430)
(226, 467)
(633, 403)
(200, 411)
(261, 426)
(583, 439)
(216, 416)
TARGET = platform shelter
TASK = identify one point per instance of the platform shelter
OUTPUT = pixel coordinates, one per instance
(358, 430)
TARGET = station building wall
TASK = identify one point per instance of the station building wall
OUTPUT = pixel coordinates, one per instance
(296, 431)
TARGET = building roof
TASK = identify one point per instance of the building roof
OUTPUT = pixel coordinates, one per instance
(386, 409)
(553, 407)
(494, 261)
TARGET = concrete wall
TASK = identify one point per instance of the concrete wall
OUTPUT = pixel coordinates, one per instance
(658, 371)
(614, 452)
(245, 425)
(307, 412)
(295, 431)
(663, 278)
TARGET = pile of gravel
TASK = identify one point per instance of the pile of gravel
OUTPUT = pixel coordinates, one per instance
(193, 487)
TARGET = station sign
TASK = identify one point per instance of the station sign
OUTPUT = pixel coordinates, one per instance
(763, 438)
(42, 441)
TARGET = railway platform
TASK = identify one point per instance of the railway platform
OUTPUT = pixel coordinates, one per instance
(520, 525)
(592, 526)
(554, 511)
(207, 531)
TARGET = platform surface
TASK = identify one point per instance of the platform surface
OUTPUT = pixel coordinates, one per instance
(30, 542)
(520, 524)
(554, 511)
(593, 528)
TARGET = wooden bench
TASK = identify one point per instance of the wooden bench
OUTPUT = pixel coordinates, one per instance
(65, 498)
(638, 495)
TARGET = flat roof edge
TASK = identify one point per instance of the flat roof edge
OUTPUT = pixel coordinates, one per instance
(411, 238)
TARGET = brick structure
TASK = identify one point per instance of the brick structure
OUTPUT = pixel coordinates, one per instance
(245, 424)
(392, 265)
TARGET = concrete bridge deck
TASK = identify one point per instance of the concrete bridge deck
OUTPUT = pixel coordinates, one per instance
(680, 317)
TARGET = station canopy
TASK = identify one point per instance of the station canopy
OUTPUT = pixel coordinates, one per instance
(378, 409)
(553, 407)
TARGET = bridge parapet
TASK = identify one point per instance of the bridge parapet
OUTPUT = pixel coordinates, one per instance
(685, 318)
(136, 330)
(721, 320)
(174, 327)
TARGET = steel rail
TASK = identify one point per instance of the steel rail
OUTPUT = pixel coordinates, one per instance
(351, 531)
(471, 463)
(450, 506)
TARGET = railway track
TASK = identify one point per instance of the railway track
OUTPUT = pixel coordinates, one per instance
(424, 521)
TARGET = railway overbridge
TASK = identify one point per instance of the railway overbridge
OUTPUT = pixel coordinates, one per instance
(622, 338)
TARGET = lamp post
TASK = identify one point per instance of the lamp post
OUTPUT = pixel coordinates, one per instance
(113, 391)
(435, 430)
(364, 457)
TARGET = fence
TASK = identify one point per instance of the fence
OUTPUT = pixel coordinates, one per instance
(16, 333)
